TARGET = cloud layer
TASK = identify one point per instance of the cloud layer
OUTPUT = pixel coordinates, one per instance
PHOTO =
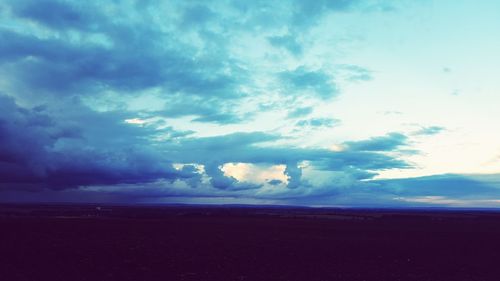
(151, 100)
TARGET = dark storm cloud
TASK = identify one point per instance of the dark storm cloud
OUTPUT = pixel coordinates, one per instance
(137, 54)
(190, 175)
(57, 58)
(59, 67)
(112, 53)
(89, 49)
(274, 182)
(217, 177)
(250, 148)
(294, 175)
(37, 148)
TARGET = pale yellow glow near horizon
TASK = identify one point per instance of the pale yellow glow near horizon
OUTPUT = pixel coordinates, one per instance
(458, 151)
(337, 147)
(442, 200)
(136, 121)
(254, 173)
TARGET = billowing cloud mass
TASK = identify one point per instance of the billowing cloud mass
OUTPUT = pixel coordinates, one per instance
(197, 102)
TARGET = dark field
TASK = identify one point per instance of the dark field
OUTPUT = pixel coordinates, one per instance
(74, 243)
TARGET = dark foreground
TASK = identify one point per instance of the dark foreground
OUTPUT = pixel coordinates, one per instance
(202, 243)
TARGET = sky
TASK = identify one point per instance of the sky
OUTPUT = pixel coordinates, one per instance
(342, 103)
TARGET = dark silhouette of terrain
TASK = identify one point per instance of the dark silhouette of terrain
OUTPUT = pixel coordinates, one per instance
(85, 242)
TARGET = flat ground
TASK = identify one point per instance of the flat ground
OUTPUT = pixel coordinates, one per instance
(201, 243)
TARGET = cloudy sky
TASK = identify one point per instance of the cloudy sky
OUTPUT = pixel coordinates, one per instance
(354, 103)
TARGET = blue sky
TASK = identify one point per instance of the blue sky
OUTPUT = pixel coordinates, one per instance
(325, 103)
